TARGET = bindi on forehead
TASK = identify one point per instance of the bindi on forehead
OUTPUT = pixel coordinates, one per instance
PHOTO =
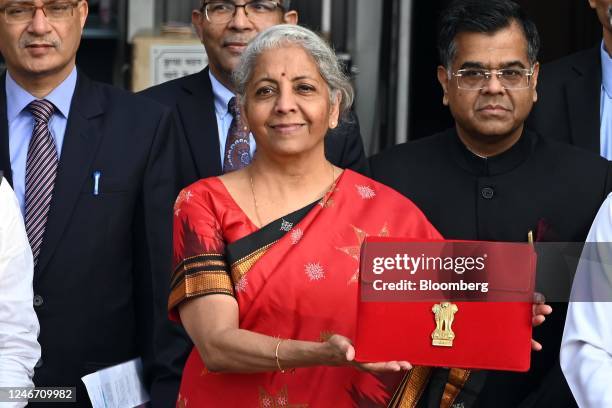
(283, 74)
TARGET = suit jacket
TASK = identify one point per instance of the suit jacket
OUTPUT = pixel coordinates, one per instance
(102, 255)
(569, 95)
(541, 185)
(192, 101)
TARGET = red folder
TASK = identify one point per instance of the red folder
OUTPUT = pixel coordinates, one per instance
(494, 335)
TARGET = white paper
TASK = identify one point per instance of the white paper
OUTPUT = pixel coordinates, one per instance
(119, 386)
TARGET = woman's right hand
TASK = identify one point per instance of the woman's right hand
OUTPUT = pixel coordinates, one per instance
(343, 353)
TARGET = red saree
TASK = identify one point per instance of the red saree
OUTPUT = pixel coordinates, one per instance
(295, 278)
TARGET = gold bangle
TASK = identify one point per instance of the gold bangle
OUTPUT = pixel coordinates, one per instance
(276, 355)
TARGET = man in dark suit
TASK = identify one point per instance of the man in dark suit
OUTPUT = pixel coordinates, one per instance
(200, 104)
(575, 94)
(93, 171)
(199, 100)
(491, 179)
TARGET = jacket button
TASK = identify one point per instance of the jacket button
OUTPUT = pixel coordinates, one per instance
(487, 193)
(38, 301)
(39, 363)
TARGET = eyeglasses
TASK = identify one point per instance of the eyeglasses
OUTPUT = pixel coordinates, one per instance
(24, 13)
(471, 79)
(221, 12)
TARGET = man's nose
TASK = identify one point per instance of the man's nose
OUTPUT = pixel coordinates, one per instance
(493, 84)
(40, 23)
(240, 20)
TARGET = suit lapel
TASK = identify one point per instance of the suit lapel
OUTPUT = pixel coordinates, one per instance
(81, 142)
(196, 110)
(583, 99)
(5, 157)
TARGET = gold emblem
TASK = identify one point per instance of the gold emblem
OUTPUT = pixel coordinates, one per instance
(445, 314)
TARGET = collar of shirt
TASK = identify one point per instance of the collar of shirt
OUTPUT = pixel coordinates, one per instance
(495, 165)
(606, 71)
(18, 98)
(222, 96)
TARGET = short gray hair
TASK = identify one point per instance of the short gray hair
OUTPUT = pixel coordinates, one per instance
(283, 35)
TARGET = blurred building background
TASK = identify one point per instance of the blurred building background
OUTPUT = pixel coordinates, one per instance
(389, 47)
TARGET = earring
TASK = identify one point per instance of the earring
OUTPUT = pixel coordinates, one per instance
(333, 125)
(245, 128)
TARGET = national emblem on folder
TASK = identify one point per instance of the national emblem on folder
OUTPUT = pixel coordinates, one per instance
(443, 335)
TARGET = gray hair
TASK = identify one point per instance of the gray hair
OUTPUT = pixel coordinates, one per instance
(283, 35)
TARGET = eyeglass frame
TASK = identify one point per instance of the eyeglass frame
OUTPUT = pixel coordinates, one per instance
(489, 74)
(204, 11)
(73, 3)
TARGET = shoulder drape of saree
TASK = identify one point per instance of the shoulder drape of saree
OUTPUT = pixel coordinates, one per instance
(244, 253)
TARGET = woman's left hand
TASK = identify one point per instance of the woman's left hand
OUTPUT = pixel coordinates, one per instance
(344, 348)
(539, 312)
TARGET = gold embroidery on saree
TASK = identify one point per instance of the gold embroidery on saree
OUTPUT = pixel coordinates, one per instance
(457, 377)
(242, 266)
(410, 390)
(198, 276)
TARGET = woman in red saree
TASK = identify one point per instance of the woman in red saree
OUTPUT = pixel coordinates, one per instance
(296, 278)
(266, 258)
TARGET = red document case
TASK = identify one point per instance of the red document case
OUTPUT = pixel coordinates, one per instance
(494, 334)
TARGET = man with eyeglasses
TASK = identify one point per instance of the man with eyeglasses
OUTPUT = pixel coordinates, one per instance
(577, 92)
(490, 178)
(204, 102)
(204, 106)
(93, 171)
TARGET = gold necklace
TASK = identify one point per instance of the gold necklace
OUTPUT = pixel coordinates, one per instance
(331, 187)
(259, 224)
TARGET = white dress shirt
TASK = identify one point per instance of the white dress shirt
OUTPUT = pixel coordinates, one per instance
(19, 348)
(21, 125)
(605, 105)
(586, 350)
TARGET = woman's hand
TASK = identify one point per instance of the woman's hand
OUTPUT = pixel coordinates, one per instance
(343, 353)
(539, 313)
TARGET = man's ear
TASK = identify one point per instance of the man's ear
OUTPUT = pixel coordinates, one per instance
(197, 19)
(443, 80)
(83, 13)
(534, 80)
(290, 17)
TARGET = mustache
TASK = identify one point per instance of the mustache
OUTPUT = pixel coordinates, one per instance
(28, 40)
(501, 104)
(236, 39)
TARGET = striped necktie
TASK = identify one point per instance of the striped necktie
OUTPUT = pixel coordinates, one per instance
(237, 149)
(41, 169)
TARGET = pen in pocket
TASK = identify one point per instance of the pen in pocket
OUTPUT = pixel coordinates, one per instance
(96, 178)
